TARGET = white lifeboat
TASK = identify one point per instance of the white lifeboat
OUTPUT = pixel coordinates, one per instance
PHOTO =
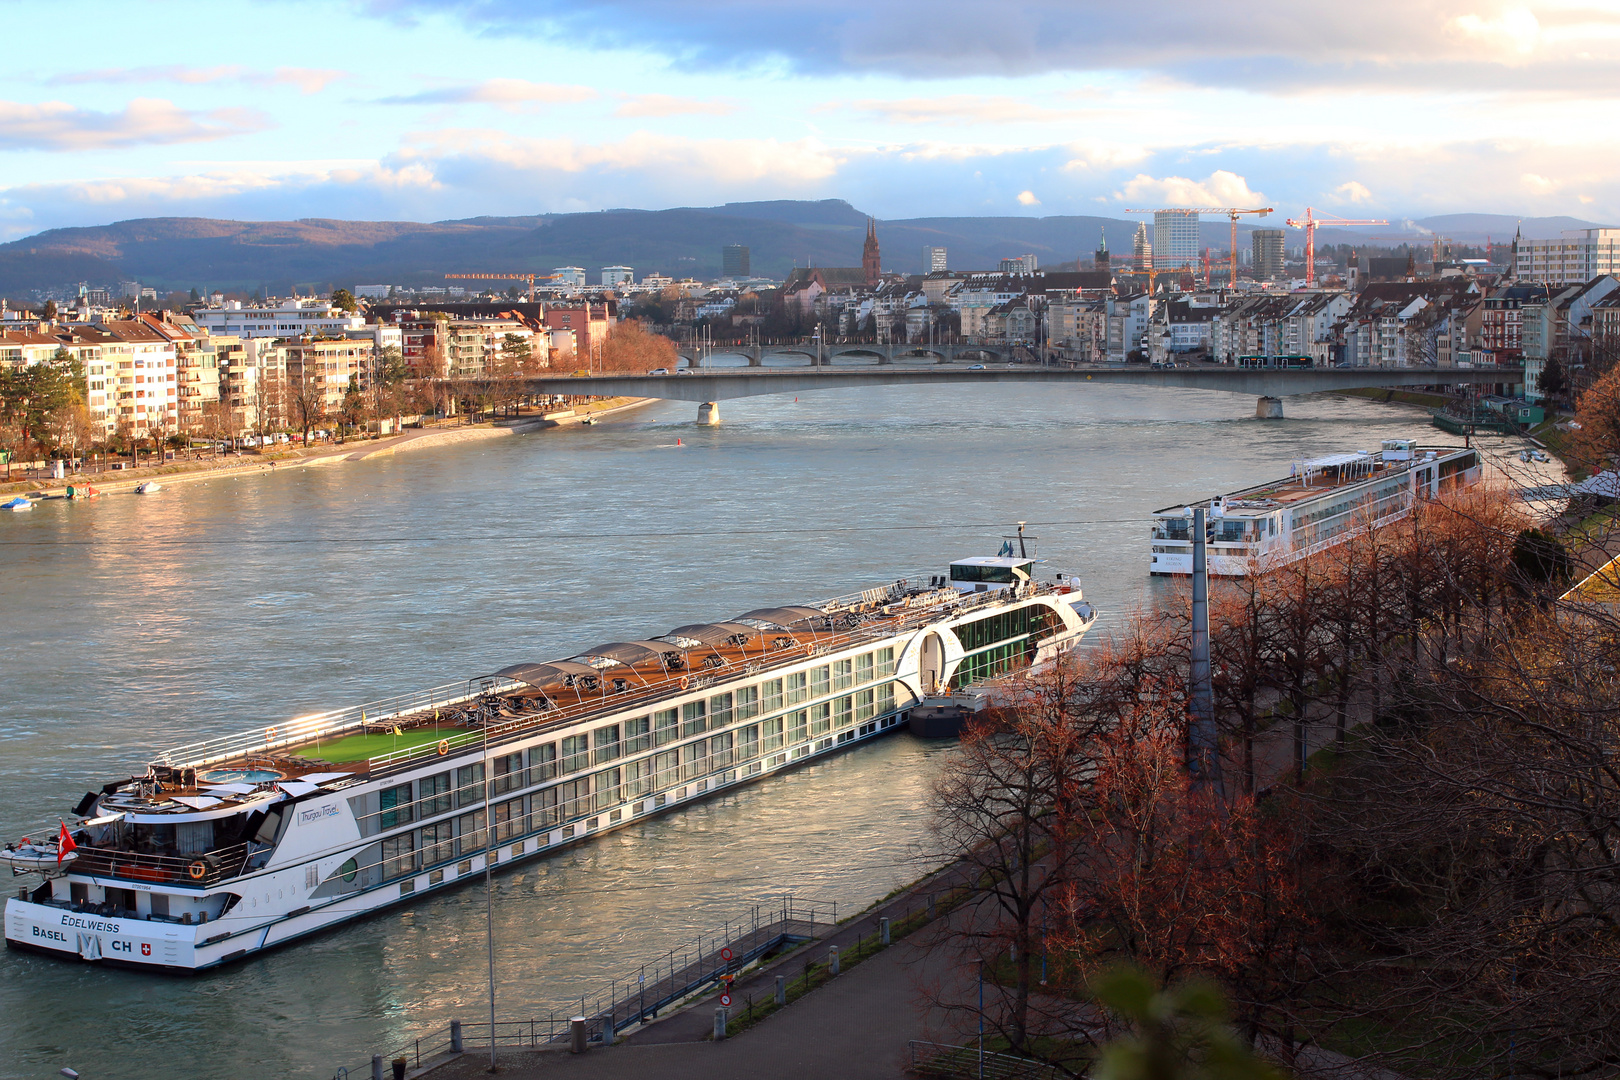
(34, 856)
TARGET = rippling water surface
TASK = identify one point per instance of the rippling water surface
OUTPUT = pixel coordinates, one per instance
(128, 624)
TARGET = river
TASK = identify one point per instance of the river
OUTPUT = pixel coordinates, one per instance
(130, 623)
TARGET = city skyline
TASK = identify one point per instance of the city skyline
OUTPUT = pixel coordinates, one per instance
(1048, 109)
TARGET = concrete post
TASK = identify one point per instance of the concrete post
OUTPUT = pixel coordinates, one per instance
(1203, 750)
(708, 414)
(455, 1037)
(832, 959)
(577, 1041)
(883, 930)
(719, 1024)
(1269, 408)
(376, 1067)
(781, 989)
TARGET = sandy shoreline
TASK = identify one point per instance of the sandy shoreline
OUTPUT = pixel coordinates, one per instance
(423, 439)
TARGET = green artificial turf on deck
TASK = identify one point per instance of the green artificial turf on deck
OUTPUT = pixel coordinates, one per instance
(360, 747)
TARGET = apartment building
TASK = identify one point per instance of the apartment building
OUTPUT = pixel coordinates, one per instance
(275, 319)
(1574, 258)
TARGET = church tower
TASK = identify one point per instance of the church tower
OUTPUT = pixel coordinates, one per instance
(870, 261)
(1100, 260)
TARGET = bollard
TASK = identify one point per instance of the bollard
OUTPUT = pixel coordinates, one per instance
(781, 989)
(576, 1035)
(376, 1067)
(719, 1024)
(883, 930)
(609, 1036)
(399, 1068)
(832, 959)
(455, 1037)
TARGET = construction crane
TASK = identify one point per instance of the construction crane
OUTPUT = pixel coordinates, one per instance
(1230, 211)
(530, 278)
(1309, 225)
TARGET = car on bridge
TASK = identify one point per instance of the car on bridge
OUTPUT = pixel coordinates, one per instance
(975, 367)
(659, 371)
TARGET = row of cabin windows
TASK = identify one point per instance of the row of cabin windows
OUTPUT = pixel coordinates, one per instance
(1000, 627)
(440, 793)
(595, 793)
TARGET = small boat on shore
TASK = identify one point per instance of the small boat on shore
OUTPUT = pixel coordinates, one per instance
(148, 487)
(19, 503)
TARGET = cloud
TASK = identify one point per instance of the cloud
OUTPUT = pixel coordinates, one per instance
(513, 95)
(959, 109)
(1220, 188)
(1352, 192)
(668, 105)
(307, 80)
(56, 125)
(1027, 198)
(1377, 44)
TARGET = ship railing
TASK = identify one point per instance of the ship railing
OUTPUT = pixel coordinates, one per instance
(673, 683)
(299, 731)
(200, 870)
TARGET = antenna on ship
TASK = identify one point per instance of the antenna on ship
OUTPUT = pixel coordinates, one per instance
(1023, 546)
(1022, 554)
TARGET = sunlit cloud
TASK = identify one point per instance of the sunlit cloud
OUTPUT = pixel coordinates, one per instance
(58, 126)
(1027, 198)
(958, 109)
(1220, 188)
(306, 80)
(655, 105)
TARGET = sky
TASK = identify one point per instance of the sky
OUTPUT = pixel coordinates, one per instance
(429, 110)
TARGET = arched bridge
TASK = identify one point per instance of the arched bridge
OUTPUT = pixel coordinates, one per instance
(1270, 385)
(817, 353)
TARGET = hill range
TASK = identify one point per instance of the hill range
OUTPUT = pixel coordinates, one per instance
(275, 256)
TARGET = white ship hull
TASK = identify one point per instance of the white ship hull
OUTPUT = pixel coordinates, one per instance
(345, 845)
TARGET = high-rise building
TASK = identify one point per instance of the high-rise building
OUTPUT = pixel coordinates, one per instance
(734, 261)
(1268, 254)
(871, 262)
(1576, 257)
(934, 260)
(1023, 264)
(1142, 248)
(571, 277)
(1175, 239)
(613, 276)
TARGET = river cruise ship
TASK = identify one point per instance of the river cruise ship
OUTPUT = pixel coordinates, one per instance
(221, 849)
(1322, 502)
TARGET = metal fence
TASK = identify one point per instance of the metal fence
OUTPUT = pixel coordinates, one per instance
(968, 1063)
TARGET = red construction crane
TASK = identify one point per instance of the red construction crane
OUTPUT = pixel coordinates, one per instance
(530, 278)
(1309, 225)
(1230, 211)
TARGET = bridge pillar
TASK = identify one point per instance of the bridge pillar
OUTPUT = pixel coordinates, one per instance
(756, 356)
(1269, 408)
(886, 356)
(708, 414)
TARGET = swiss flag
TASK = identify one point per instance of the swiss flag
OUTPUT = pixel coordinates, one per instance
(64, 843)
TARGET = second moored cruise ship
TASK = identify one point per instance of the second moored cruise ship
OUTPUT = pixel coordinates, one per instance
(226, 847)
(1322, 502)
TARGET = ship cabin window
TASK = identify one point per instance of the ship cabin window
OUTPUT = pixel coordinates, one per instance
(508, 772)
(798, 687)
(576, 751)
(747, 702)
(667, 768)
(666, 727)
(1230, 531)
(863, 668)
(435, 793)
(638, 778)
(820, 681)
(605, 791)
(820, 718)
(470, 784)
(438, 842)
(844, 712)
(773, 734)
(509, 820)
(543, 763)
(545, 807)
(885, 662)
(885, 698)
(719, 711)
(720, 751)
(694, 760)
(693, 722)
(607, 743)
(637, 735)
(798, 726)
(863, 705)
(1174, 528)
(399, 856)
(470, 833)
(395, 804)
(770, 692)
(748, 743)
(843, 674)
